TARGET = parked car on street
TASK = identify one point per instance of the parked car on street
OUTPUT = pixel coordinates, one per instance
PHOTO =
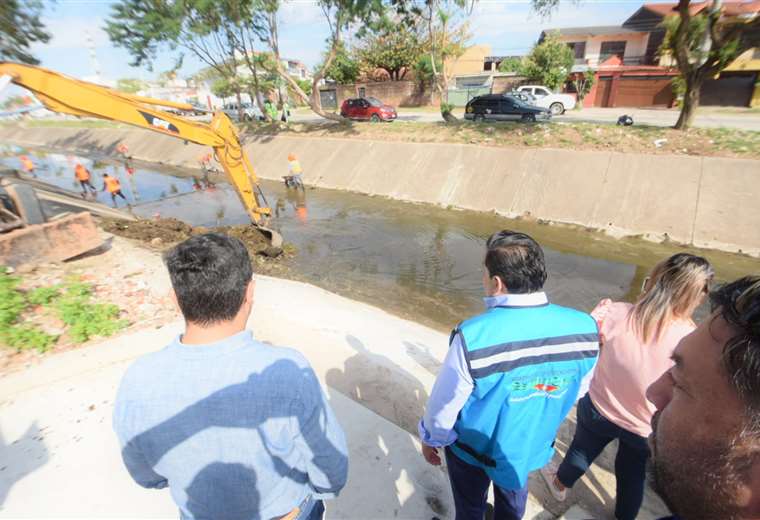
(557, 103)
(251, 112)
(525, 97)
(367, 109)
(500, 107)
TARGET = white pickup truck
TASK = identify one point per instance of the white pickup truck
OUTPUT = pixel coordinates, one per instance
(556, 103)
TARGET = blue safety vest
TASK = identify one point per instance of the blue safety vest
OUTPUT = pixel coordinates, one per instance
(527, 364)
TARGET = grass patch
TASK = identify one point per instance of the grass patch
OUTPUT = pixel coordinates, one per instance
(70, 302)
(573, 135)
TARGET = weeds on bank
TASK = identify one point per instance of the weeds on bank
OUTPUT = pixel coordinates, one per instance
(70, 302)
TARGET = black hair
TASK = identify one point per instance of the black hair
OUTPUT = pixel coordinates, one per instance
(210, 274)
(517, 260)
(738, 303)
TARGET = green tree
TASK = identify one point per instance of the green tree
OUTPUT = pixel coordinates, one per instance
(511, 64)
(20, 27)
(343, 69)
(423, 69)
(394, 49)
(444, 25)
(130, 85)
(703, 45)
(204, 28)
(549, 62)
(583, 83)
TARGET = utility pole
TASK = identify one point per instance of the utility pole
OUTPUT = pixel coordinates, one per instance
(93, 56)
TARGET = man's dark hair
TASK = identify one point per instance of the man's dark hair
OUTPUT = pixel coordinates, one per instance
(210, 274)
(517, 260)
(738, 303)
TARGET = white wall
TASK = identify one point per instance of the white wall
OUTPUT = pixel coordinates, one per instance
(636, 44)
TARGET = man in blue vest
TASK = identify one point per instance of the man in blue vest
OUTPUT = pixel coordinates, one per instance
(510, 377)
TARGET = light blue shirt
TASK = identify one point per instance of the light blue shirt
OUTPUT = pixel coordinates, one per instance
(454, 384)
(235, 429)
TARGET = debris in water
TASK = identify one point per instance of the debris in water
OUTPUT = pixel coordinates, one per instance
(164, 232)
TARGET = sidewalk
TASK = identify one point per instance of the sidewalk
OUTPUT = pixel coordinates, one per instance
(60, 457)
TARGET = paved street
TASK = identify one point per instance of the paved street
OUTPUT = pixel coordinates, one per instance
(706, 118)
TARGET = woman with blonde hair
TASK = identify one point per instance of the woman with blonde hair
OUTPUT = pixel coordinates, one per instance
(637, 341)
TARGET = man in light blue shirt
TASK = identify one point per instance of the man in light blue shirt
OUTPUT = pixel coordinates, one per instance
(236, 429)
(509, 379)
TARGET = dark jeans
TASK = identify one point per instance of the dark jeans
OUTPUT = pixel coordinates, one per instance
(316, 512)
(592, 434)
(87, 184)
(470, 487)
(117, 194)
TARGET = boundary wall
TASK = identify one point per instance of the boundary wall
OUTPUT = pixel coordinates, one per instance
(707, 202)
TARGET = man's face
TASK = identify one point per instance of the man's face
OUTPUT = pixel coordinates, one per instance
(699, 417)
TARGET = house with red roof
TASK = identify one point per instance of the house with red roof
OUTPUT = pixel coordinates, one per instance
(631, 73)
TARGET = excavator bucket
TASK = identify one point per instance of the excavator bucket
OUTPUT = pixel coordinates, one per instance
(53, 241)
(275, 241)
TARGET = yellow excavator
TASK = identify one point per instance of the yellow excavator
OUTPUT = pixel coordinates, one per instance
(60, 93)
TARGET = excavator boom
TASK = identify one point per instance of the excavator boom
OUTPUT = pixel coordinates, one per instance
(67, 95)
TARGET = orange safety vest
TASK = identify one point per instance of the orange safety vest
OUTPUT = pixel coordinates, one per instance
(28, 165)
(112, 184)
(81, 173)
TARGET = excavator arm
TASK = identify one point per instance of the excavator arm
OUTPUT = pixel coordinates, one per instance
(67, 95)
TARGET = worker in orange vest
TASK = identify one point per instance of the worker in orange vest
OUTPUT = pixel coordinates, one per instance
(27, 164)
(113, 186)
(83, 176)
(293, 179)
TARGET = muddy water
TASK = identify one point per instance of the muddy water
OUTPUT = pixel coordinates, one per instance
(418, 261)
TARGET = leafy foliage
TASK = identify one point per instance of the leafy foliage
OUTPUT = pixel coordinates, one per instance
(423, 68)
(394, 50)
(549, 62)
(42, 295)
(511, 64)
(70, 301)
(12, 302)
(20, 27)
(28, 336)
(583, 83)
(343, 69)
(703, 45)
(130, 85)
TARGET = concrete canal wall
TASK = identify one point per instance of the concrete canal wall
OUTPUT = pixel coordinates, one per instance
(703, 201)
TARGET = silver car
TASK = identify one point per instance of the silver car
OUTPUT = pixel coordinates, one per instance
(251, 112)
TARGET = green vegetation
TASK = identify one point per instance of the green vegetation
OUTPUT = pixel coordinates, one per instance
(549, 62)
(21, 27)
(69, 302)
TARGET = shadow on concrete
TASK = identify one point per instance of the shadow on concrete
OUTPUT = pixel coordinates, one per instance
(382, 386)
(221, 488)
(21, 457)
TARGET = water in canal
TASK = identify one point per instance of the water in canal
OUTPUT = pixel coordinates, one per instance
(418, 261)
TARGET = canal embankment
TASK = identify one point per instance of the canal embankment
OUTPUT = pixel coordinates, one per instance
(706, 202)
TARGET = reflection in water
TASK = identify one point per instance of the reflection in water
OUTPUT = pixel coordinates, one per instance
(418, 261)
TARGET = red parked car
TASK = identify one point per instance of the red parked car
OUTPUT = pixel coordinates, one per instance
(368, 109)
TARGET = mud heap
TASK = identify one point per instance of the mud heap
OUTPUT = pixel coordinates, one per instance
(164, 232)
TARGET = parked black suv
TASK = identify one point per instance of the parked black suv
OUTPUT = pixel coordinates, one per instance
(498, 107)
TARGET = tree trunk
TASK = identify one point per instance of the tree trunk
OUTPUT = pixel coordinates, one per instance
(690, 103)
(240, 104)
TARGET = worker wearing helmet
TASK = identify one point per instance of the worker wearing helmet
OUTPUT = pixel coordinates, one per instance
(293, 179)
(27, 164)
(113, 186)
(83, 176)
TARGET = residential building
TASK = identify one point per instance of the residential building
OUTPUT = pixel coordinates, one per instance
(631, 73)
(470, 62)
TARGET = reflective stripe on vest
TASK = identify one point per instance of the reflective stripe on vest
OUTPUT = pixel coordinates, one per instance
(527, 364)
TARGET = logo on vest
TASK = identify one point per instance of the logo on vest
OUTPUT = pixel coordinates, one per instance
(545, 387)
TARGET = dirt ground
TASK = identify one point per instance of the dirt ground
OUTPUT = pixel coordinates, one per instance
(165, 232)
(122, 273)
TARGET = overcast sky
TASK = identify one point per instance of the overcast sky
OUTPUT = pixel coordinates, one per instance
(508, 26)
